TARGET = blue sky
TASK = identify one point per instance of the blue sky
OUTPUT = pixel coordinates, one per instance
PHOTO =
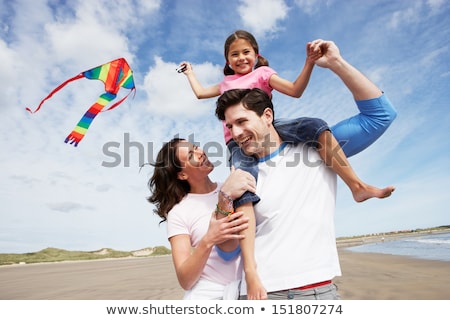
(94, 196)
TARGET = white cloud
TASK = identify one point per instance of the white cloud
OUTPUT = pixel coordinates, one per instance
(436, 5)
(68, 207)
(312, 6)
(407, 16)
(83, 41)
(261, 17)
(169, 92)
(148, 6)
(97, 32)
(432, 57)
(8, 74)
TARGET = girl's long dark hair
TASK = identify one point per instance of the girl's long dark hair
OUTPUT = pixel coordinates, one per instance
(165, 187)
(242, 34)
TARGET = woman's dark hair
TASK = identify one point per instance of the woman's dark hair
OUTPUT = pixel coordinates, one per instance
(242, 34)
(165, 187)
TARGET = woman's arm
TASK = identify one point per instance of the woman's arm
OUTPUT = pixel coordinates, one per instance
(189, 263)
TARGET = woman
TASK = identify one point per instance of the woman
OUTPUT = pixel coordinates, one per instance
(185, 196)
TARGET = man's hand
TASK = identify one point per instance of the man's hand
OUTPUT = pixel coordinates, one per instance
(237, 183)
(313, 51)
(329, 52)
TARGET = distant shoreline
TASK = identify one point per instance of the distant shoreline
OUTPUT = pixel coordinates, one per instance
(61, 255)
(388, 236)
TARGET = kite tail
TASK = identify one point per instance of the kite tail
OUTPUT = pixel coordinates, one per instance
(80, 129)
(56, 90)
(120, 101)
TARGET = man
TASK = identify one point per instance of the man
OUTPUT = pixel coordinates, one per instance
(295, 246)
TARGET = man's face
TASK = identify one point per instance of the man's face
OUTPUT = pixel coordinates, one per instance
(249, 130)
(193, 160)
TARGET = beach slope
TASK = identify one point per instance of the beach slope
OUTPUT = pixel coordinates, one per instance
(366, 276)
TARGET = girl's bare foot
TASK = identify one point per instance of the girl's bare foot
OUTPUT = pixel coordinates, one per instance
(365, 191)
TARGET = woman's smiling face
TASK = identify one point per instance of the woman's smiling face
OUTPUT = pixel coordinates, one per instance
(193, 160)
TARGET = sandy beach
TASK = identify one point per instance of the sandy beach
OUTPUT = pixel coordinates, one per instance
(365, 277)
(370, 276)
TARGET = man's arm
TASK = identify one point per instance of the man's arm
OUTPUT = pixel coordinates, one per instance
(358, 84)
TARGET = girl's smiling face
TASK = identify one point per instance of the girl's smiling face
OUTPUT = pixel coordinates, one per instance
(241, 56)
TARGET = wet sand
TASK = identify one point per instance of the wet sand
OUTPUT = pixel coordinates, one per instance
(366, 276)
(371, 276)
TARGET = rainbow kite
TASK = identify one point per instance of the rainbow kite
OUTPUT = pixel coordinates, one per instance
(114, 74)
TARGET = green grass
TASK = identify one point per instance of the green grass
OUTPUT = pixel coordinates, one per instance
(57, 255)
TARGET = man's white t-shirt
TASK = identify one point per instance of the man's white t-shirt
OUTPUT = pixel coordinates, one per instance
(295, 239)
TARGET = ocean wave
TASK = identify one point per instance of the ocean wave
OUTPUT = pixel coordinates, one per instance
(430, 241)
(432, 247)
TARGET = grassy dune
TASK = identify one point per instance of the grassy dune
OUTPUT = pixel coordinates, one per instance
(57, 255)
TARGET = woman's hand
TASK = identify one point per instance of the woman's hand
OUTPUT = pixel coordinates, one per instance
(221, 230)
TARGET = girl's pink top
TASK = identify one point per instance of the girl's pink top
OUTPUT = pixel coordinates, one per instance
(258, 78)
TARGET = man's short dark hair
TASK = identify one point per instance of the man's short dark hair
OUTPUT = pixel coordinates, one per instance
(255, 99)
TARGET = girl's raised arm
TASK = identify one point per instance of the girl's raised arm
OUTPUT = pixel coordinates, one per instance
(199, 91)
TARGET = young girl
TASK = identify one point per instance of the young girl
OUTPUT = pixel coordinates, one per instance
(246, 68)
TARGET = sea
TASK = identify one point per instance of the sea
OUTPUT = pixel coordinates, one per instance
(430, 246)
